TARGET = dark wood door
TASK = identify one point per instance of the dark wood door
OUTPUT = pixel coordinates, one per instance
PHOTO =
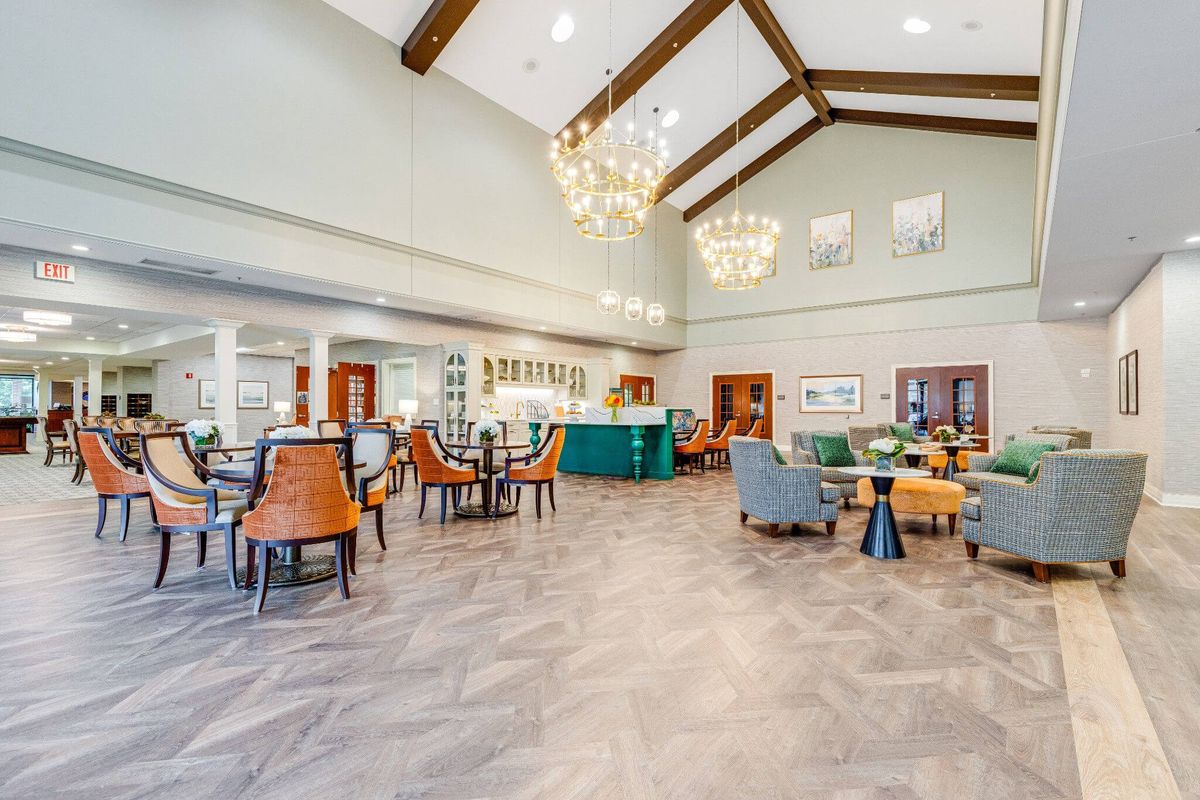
(301, 387)
(742, 398)
(638, 387)
(355, 391)
(943, 395)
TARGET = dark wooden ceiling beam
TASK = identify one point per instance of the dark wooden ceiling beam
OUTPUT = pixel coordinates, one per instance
(754, 167)
(719, 144)
(760, 14)
(441, 21)
(928, 122)
(694, 19)
(927, 84)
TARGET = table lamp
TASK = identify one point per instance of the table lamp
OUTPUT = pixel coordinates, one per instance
(283, 408)
(407, 408)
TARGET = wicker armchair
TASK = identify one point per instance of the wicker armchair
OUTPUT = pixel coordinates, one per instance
(804, 453)
(1081, 439)
(981, 463)
(1080, 509)
(779, 494)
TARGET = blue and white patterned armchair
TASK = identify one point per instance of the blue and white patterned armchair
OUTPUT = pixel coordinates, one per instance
(777, 493)
(981, 463)
(804, 453)
(1080, 508)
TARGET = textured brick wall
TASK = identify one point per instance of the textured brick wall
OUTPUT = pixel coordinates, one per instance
(176, 396)
(1137, 324)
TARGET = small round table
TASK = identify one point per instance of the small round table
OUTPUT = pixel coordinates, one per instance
(881, 539)
(484, 509)
(913, 455)
(952, 449)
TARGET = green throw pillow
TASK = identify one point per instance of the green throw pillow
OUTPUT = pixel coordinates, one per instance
(902, 431)
(833, 451)
(779, 456)
(1033, 473)
(1019, 457)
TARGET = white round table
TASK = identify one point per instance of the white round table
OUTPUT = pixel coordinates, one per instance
(881, 539)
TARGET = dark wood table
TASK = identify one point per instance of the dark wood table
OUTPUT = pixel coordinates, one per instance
(13, 434)
(484, 509)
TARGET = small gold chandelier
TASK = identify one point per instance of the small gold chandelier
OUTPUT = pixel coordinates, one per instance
(738, 252)
(608, 184)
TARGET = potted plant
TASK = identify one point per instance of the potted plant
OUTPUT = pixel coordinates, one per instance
(204, 432)
(884, 452)
(614, 401)
(486, 431)
(945, 433)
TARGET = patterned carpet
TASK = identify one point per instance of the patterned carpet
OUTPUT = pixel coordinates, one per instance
(24, 479)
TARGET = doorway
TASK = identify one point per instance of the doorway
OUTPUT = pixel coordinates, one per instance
(637, 388)
(950, 394)
(351, 393)
(743, 397)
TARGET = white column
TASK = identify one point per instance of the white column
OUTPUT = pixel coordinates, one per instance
(318, 376)
(95, 384)
(122, 405)
(43, 390)
(77, 397)
(225, 373)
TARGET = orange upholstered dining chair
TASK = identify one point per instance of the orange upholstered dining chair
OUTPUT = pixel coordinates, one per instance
(718, 446)
(536, 469)
(691, 451)
(307, 501)
(115, 475)
(438, 467)
(754, 429)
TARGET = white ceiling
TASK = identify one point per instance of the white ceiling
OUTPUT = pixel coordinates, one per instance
(489, 52)
(1130, 157)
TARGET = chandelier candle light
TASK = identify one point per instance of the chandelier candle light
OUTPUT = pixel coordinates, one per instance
(738, 252)
(608, 184)
(655, 314)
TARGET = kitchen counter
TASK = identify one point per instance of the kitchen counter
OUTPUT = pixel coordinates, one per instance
(639, 444)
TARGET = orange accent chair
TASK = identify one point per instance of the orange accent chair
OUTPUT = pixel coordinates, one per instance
(184, 503)
(309, 500)
(719, 446)
(960, 463)
(536, 469)
(691, 451)
(754, 429)
(438, 467)
(115, 475)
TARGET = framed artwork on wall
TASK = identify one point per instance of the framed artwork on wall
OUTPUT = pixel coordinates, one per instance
(207, 394)
(918, 225)
(831, 240)
(301, 398)
(831, 394)
(1127, 383)
(252, 394)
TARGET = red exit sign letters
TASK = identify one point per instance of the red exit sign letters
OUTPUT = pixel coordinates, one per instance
(51, 271)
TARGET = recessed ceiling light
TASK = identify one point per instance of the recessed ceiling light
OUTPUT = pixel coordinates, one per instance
(564, 26)
(972, 25)
(380, 299)
(83, 248)
(633, 342)
(10, 335)
(90, 338)
(541, 327)
(916, 25)
(279, 343)
(49, 363)
(671, 118)
(64, 358)
(123, 326)
(1080, 303)
(531, 65)
(46, 318)
(1192, 239)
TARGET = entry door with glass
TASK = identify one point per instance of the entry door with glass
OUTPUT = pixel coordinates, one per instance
(944, 395)
(638, 388)
(742, 398)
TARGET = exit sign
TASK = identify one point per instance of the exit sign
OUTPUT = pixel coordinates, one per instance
(50, 271)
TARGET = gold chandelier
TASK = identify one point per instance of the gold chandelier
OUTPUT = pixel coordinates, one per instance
(738, 252)
(608, 184)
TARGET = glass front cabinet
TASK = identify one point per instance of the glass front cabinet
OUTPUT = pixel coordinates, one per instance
(510, 370)
(455, 411)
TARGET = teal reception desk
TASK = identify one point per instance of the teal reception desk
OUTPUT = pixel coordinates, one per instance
(640, 444)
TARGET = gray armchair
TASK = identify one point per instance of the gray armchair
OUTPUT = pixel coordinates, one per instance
(981, 463)
(804, 453)
(776, 493)
(1080, 508)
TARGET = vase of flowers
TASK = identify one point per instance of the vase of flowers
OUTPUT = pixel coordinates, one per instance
(293, 432)
(486, 431)
(884, 452)
(613, 402)
(945, 433)
(204, 432)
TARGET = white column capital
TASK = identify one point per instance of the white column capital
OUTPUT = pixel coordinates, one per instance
(322, 334)
(227, 324)
(95, 362)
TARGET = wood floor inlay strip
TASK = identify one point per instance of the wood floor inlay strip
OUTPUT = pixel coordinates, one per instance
(1116, 745)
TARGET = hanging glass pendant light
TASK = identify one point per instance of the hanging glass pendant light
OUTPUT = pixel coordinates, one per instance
(738, 252)
(633, 304)
(608, 301)
(655, 314)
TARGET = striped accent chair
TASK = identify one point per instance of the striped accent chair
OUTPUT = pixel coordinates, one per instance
(1080, 508)
(804, 453)
(115, 475)
(537, 469)
(981, 463)
(779, 494)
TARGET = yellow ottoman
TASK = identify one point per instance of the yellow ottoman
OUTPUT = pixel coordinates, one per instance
(919, 496)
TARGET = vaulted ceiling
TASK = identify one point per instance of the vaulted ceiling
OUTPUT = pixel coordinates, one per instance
(803, 66)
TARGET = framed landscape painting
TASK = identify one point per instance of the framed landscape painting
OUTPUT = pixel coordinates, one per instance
(918, 225)
(831, 240)
(252, 394)
(208, 394)
(836, 394)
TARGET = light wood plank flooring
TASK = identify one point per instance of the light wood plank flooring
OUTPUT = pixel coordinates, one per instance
(640, 643)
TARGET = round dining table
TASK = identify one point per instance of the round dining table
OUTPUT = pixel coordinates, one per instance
(485, 509)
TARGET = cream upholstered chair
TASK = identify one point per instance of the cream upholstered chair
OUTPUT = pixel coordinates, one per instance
(779, 494)
(56, 442)
(71, 429)
(184, 503)
(373, 448)
(330, 428)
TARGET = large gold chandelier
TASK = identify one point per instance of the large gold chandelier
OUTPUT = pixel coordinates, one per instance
(738, 252)
(607, 182)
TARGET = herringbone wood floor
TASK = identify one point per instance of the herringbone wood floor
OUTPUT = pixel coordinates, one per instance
(637, 644)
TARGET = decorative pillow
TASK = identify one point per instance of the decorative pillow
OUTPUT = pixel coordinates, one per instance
(833, 451)
(901, 430)
(779, 456)
(1019, 457)
(1033, 473)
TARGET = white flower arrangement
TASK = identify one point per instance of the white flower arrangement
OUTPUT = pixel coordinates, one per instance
(945, 433)
(883, 447)
(486, 430)
(203, 429)
(293, 432)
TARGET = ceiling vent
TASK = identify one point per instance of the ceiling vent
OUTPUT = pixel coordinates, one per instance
(183, 268)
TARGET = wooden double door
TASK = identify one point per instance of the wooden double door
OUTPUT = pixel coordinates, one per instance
(743, 397)
(944, 395)
(351, 388)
